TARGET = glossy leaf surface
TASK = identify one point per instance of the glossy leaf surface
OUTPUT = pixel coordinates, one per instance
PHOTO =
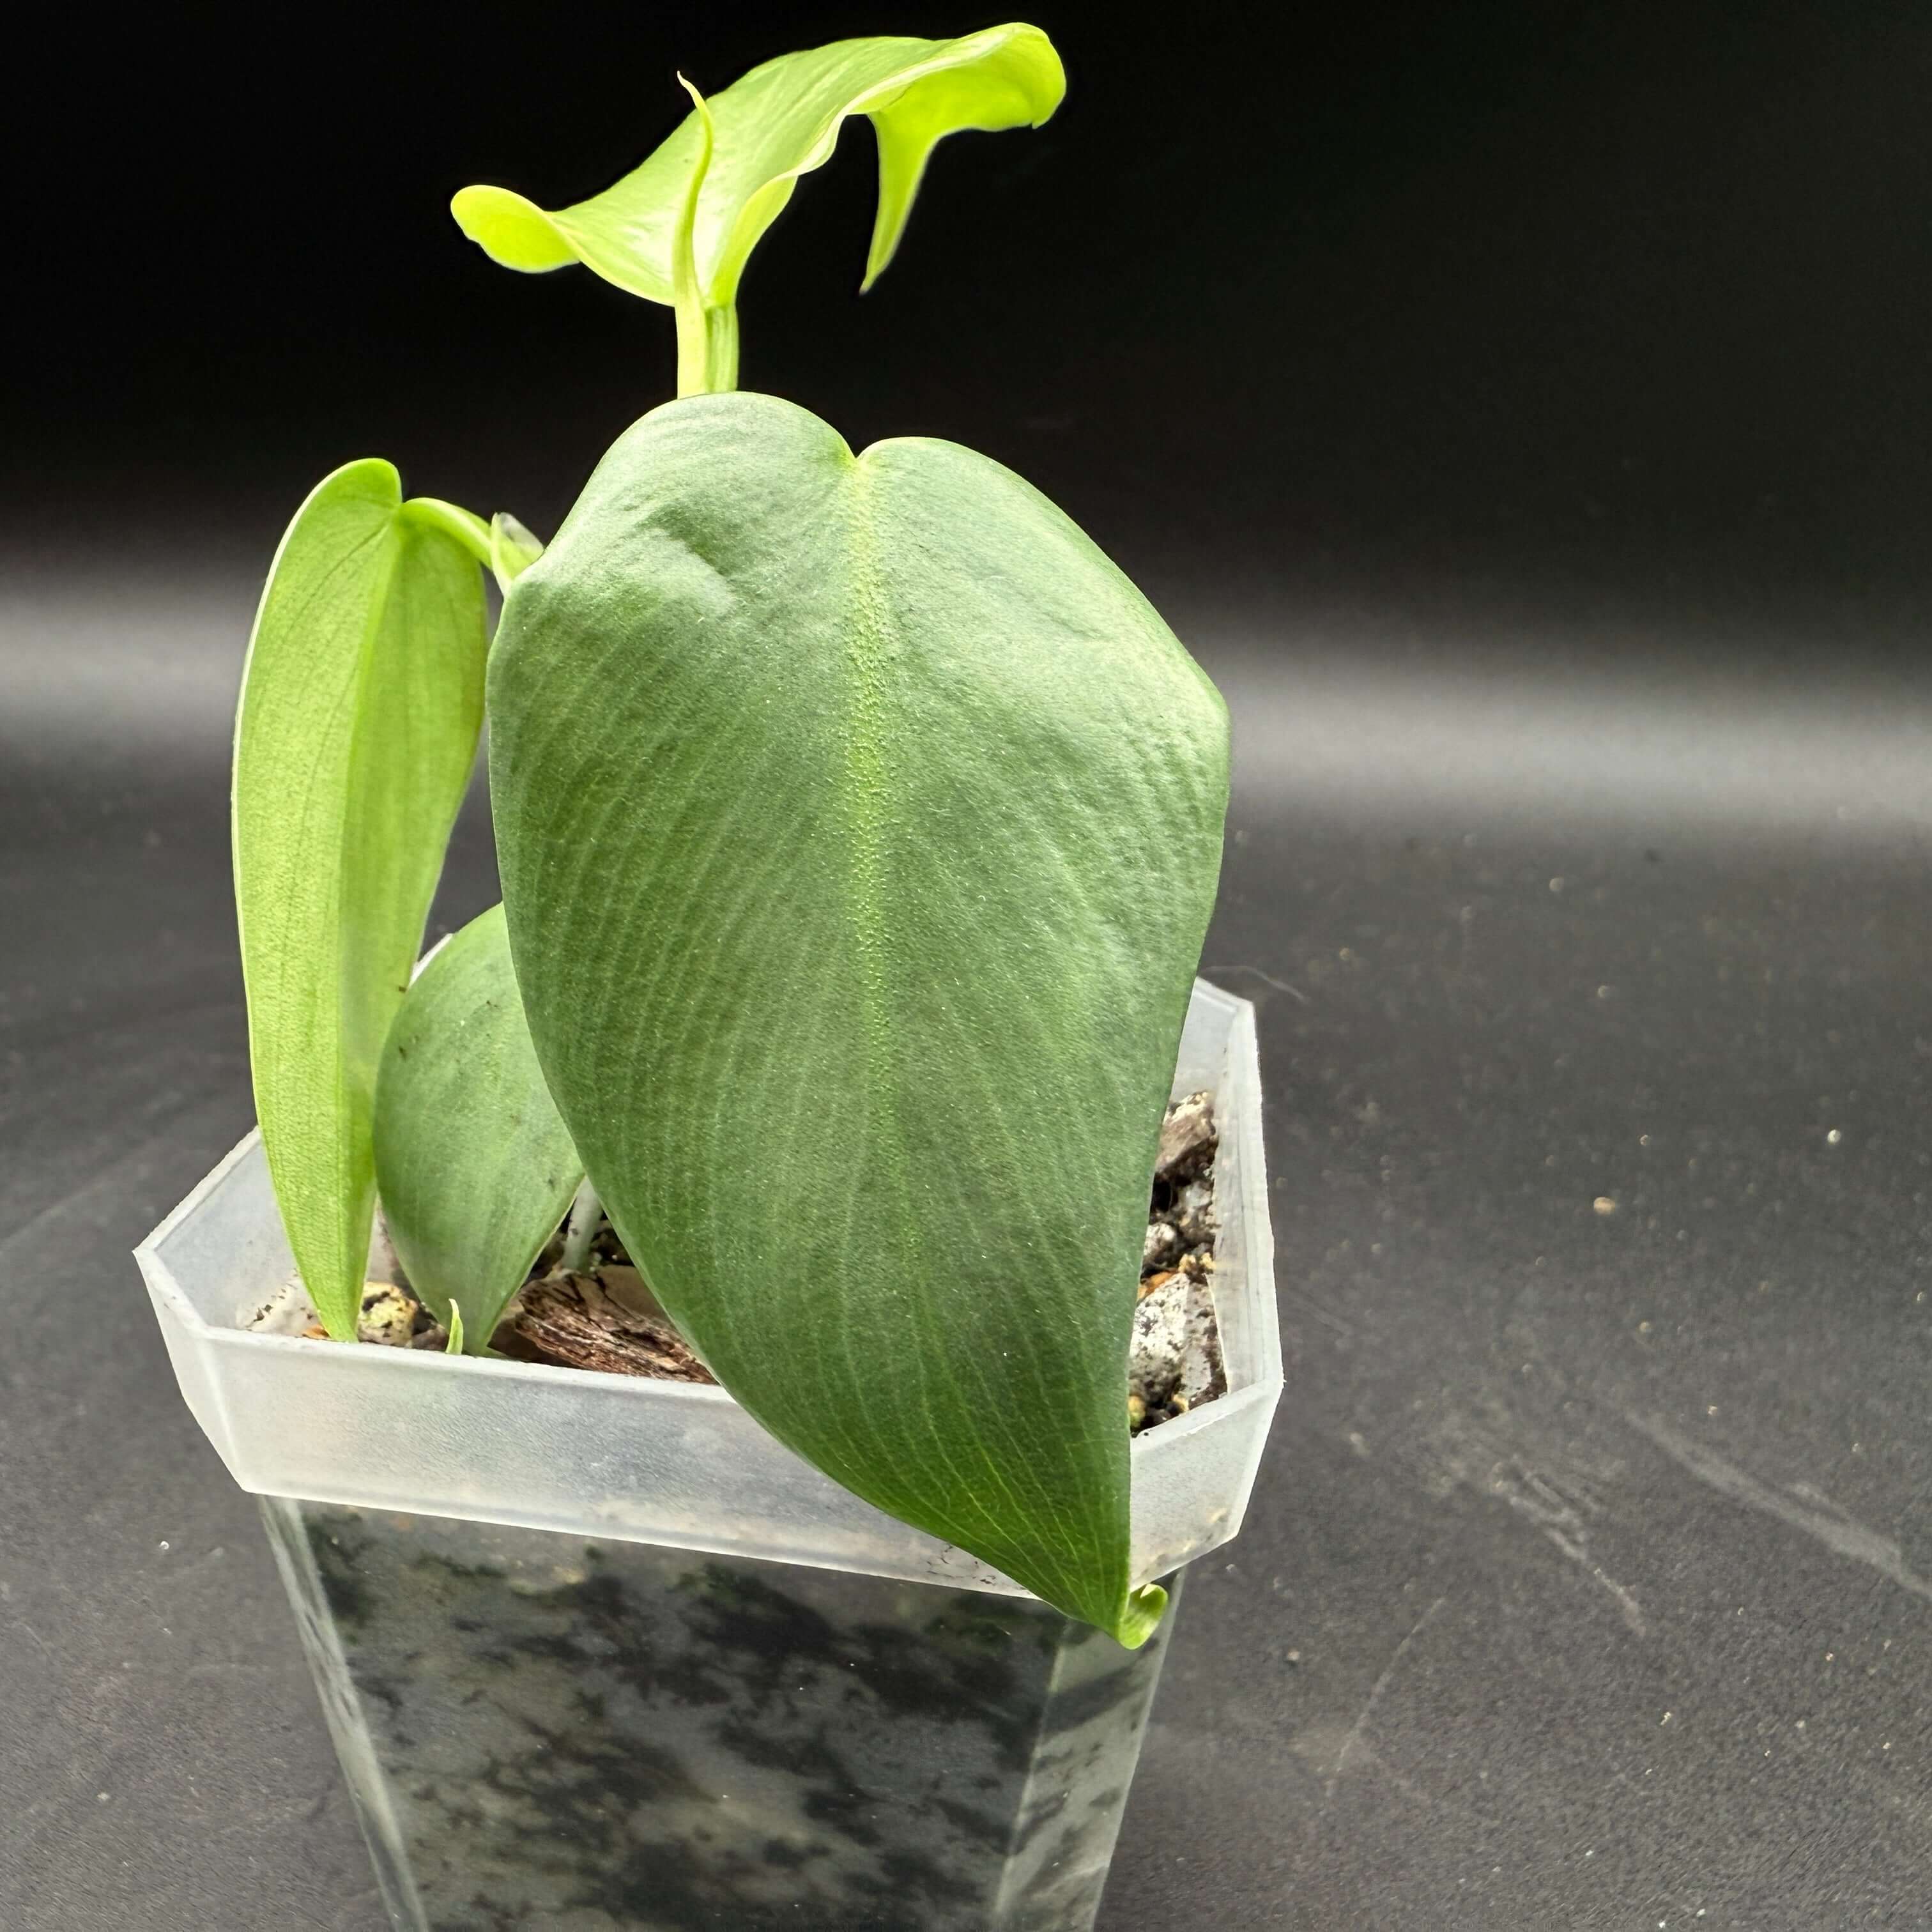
(361, 706)
(779, 121)
(859, 824)
(473, 1164)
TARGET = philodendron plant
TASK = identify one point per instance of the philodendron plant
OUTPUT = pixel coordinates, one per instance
(858, 822)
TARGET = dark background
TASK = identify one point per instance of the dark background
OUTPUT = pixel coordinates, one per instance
(1522, 410)
(1574, 308)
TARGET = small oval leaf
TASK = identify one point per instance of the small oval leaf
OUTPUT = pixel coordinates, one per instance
(475, 1167)
(856, 941)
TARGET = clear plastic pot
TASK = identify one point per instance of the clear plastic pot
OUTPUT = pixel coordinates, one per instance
(466, 1542)
(540, 1731)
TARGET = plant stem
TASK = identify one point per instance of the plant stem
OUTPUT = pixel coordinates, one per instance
(707, 349)
(465, 526)
(585, 1211)
(707, 334)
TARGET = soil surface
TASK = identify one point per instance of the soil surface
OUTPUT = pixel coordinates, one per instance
(604, 1316)
(600, 1318)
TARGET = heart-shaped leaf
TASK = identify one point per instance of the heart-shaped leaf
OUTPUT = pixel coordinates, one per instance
(779, 121)
(859, 824)
(473, 1164)
(361, 705)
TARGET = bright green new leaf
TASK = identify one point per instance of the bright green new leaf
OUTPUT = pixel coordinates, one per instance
(453, 1344)
(779, 121)
(474, 1167)
(855, 937)
(361, 705)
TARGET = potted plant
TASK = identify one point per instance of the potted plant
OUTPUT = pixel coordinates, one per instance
(834, 1334)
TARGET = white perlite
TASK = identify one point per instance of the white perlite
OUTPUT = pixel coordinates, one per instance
(1176, 1348)
(1203, 1373)
(1159, 1346)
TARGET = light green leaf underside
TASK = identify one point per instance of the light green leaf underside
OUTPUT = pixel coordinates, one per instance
(473, 1164)
(856, 941)
(361, 705)
(779, 121)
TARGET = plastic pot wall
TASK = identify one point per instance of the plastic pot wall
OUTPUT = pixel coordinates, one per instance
(612, 1737)
(600, 1655)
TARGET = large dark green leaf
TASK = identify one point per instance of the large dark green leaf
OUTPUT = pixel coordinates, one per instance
(474, 1166)
(361, 705)
(860, 824)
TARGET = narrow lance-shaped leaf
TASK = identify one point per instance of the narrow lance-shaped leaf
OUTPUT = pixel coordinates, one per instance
(473, 1165)
(779, 121)
(361, 706)
(856, 942)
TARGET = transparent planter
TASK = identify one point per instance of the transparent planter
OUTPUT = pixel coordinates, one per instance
(600, 1655)
(540, 1731)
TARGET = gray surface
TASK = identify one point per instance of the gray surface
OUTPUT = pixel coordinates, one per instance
(1588, 1583)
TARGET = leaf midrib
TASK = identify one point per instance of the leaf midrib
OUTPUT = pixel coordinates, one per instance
(868, 775)
(365, 1053)
(343, 1092)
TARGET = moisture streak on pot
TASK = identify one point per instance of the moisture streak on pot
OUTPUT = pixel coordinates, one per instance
(617, 1738)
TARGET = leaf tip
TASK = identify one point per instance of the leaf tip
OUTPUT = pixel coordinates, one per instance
(511, 230)
(1141, 1616)
(337, 1321)
(1048, 75)
(697, 100)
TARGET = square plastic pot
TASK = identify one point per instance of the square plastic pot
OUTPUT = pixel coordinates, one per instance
(554, 1710)
(540, 1730)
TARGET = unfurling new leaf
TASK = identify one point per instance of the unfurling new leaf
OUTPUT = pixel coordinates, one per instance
(779, 121)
